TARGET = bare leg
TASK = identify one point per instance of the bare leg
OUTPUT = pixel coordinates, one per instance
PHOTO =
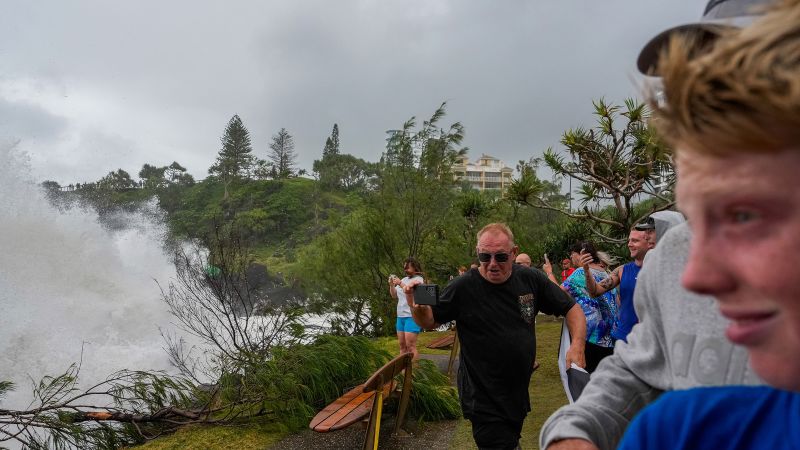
(411, 344)
(401, 339)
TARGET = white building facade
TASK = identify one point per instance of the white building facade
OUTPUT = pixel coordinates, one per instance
(487, 172)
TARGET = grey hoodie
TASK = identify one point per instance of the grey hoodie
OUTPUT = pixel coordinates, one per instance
(678, 343)
(664, 220)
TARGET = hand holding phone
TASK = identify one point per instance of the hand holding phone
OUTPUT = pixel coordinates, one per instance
(426, 294)
(547, 267)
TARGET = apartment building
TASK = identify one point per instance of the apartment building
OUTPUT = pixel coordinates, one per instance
(487, 172)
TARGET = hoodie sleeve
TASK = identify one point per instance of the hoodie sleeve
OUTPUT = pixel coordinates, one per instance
(625, 382)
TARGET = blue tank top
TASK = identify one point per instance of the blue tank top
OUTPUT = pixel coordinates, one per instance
(626, 318)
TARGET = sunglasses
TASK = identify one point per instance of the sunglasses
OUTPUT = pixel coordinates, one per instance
(500, 257)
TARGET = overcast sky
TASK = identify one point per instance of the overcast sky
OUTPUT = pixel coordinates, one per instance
(87, 87)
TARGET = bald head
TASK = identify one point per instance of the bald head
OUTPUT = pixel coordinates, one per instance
(523, 259)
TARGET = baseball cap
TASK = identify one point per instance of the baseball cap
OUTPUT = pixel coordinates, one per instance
(646, 224)
(718, 15)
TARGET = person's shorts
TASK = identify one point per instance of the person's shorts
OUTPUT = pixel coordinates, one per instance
(407, 325)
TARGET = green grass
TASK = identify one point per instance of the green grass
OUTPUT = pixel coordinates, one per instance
(246, 437)
(546, 391)
(389, 343)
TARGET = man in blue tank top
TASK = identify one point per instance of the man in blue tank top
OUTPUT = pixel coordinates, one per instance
(624, 277)
(626, 315)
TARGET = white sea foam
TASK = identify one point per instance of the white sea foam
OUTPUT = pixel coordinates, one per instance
(70, 287)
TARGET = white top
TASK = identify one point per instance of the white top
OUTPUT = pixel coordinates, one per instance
(403, 310)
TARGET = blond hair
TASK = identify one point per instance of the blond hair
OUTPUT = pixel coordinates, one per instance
(606, 259)
(741, 94)
(497, 227)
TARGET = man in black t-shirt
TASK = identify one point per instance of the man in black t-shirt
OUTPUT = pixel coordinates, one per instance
(495, 306)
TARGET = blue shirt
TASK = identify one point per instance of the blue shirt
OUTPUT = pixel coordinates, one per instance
(626, 318)
(719, 418)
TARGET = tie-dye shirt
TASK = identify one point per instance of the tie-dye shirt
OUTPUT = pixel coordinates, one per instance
(599, 311)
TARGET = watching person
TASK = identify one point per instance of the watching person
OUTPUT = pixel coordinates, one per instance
(657, 224)
(600, 311)
(733, 117)
(566, 269)
(523, 259)
(679, 342)
(625, 277)
(495, 307)
(606, 261)
(407, 330)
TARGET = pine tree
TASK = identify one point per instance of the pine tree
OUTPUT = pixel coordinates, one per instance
(282, 154)
(235, 159)
(328, 149)
(332, 143)
(335, 139)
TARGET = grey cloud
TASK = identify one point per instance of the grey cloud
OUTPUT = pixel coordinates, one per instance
(516, 73)
(23, 121)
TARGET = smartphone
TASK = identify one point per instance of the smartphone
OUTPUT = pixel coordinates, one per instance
(426, 294)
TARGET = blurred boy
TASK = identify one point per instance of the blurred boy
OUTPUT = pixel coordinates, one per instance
(733, 117)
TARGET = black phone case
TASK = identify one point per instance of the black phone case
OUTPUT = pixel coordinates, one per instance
(426, 294)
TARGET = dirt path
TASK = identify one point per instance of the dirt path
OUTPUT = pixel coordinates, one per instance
(429, 435)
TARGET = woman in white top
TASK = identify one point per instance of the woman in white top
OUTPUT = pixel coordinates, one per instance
(407, 329)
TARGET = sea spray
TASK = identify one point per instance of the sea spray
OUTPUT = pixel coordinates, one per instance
(72, 290)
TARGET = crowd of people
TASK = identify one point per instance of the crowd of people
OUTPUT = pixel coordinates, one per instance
(693, 342)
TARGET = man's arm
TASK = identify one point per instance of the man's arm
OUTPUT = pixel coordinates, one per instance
(596, 289)
(393, 282)
(422, 314)
(555, 300)
(576, 324)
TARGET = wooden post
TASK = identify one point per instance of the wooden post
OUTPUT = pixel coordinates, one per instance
(374, 427)
(453, 354)
(385, 376)
(405, 395)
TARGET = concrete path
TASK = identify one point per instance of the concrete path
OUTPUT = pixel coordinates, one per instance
(441, 362)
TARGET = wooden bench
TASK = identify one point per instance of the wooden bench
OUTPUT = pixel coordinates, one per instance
(448, 341)
(367, 399)
(444, 342)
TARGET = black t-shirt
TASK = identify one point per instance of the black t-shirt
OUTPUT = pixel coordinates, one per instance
(495, 324)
